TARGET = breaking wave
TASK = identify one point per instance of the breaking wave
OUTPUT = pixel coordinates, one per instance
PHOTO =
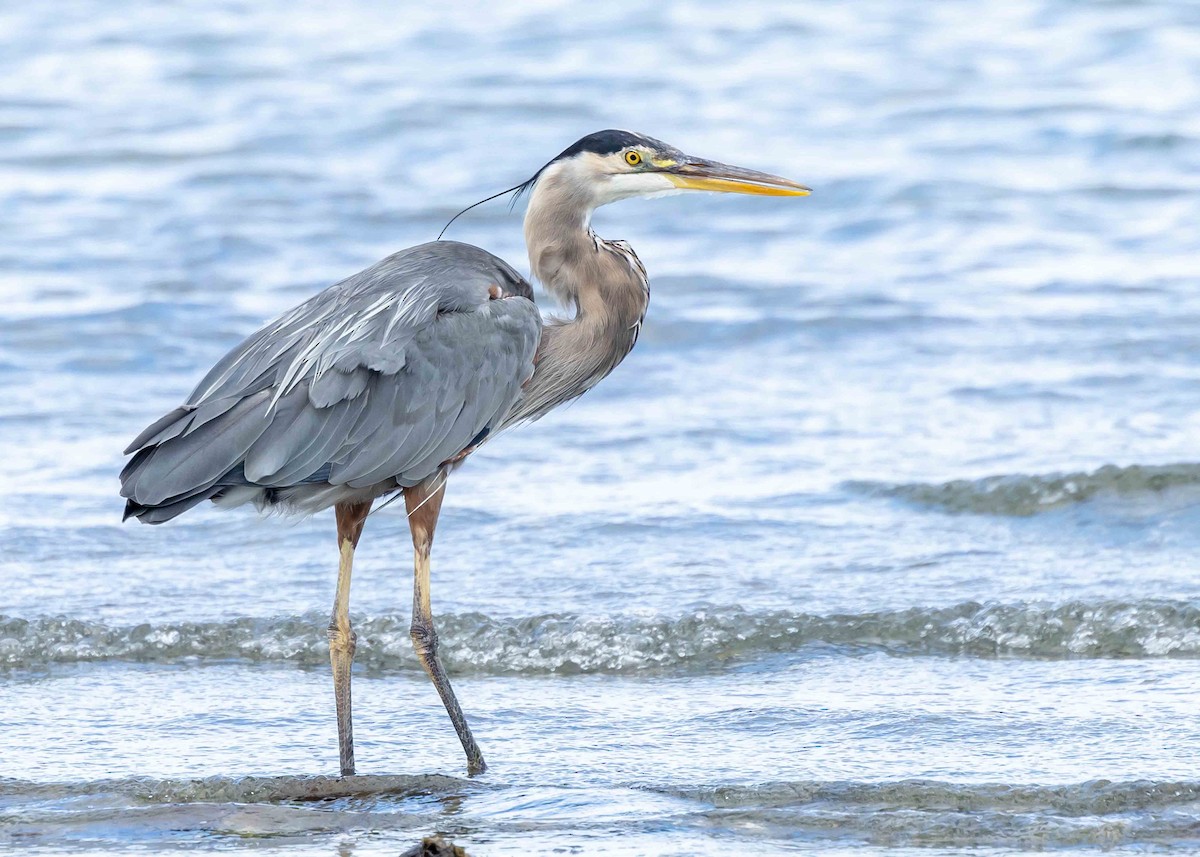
(703, 639)
(1024, 495)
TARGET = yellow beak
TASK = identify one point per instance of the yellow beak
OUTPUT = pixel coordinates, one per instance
(697, 174)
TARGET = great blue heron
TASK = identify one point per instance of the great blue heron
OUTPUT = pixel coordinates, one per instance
(386, 381)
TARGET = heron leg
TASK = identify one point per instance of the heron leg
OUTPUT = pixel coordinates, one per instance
(424, 502)
(342, 639)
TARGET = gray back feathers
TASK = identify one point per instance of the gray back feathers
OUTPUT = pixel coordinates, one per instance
(371, 385)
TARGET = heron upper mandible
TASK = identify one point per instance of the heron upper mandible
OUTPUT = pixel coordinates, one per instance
(384, 382)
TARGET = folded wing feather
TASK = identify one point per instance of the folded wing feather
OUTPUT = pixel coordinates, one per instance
(379, 379)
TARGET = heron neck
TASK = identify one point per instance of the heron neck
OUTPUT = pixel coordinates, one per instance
(601, 281)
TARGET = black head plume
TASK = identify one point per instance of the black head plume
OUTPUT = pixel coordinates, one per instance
(598, 143)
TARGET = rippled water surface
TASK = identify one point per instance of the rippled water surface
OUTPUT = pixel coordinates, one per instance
(883, 539)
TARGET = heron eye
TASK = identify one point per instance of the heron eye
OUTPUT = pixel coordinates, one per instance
(633, 158)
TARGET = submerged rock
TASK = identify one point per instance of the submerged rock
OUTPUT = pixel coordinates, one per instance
(434, 846)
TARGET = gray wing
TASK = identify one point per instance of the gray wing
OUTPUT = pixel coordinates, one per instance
(383, 376)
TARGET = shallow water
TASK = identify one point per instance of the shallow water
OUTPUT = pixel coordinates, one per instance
(882, 540)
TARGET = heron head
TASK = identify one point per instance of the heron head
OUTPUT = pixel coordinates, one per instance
(609, 166)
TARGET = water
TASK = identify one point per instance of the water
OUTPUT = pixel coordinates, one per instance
(882, 540)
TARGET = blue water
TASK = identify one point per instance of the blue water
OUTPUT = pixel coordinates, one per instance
(883, 539)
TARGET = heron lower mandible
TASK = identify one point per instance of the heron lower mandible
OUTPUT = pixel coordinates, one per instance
(386, 381)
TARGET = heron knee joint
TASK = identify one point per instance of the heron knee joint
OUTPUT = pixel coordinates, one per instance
(424, 637)
(342, 639)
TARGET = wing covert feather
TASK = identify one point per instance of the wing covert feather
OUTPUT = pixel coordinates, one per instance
(385, 375)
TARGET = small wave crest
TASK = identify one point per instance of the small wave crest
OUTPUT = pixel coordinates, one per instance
(153, 813)
(1096, 797)
(703, 639)
(1023, 495)
(929, 813)
(220, 789)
